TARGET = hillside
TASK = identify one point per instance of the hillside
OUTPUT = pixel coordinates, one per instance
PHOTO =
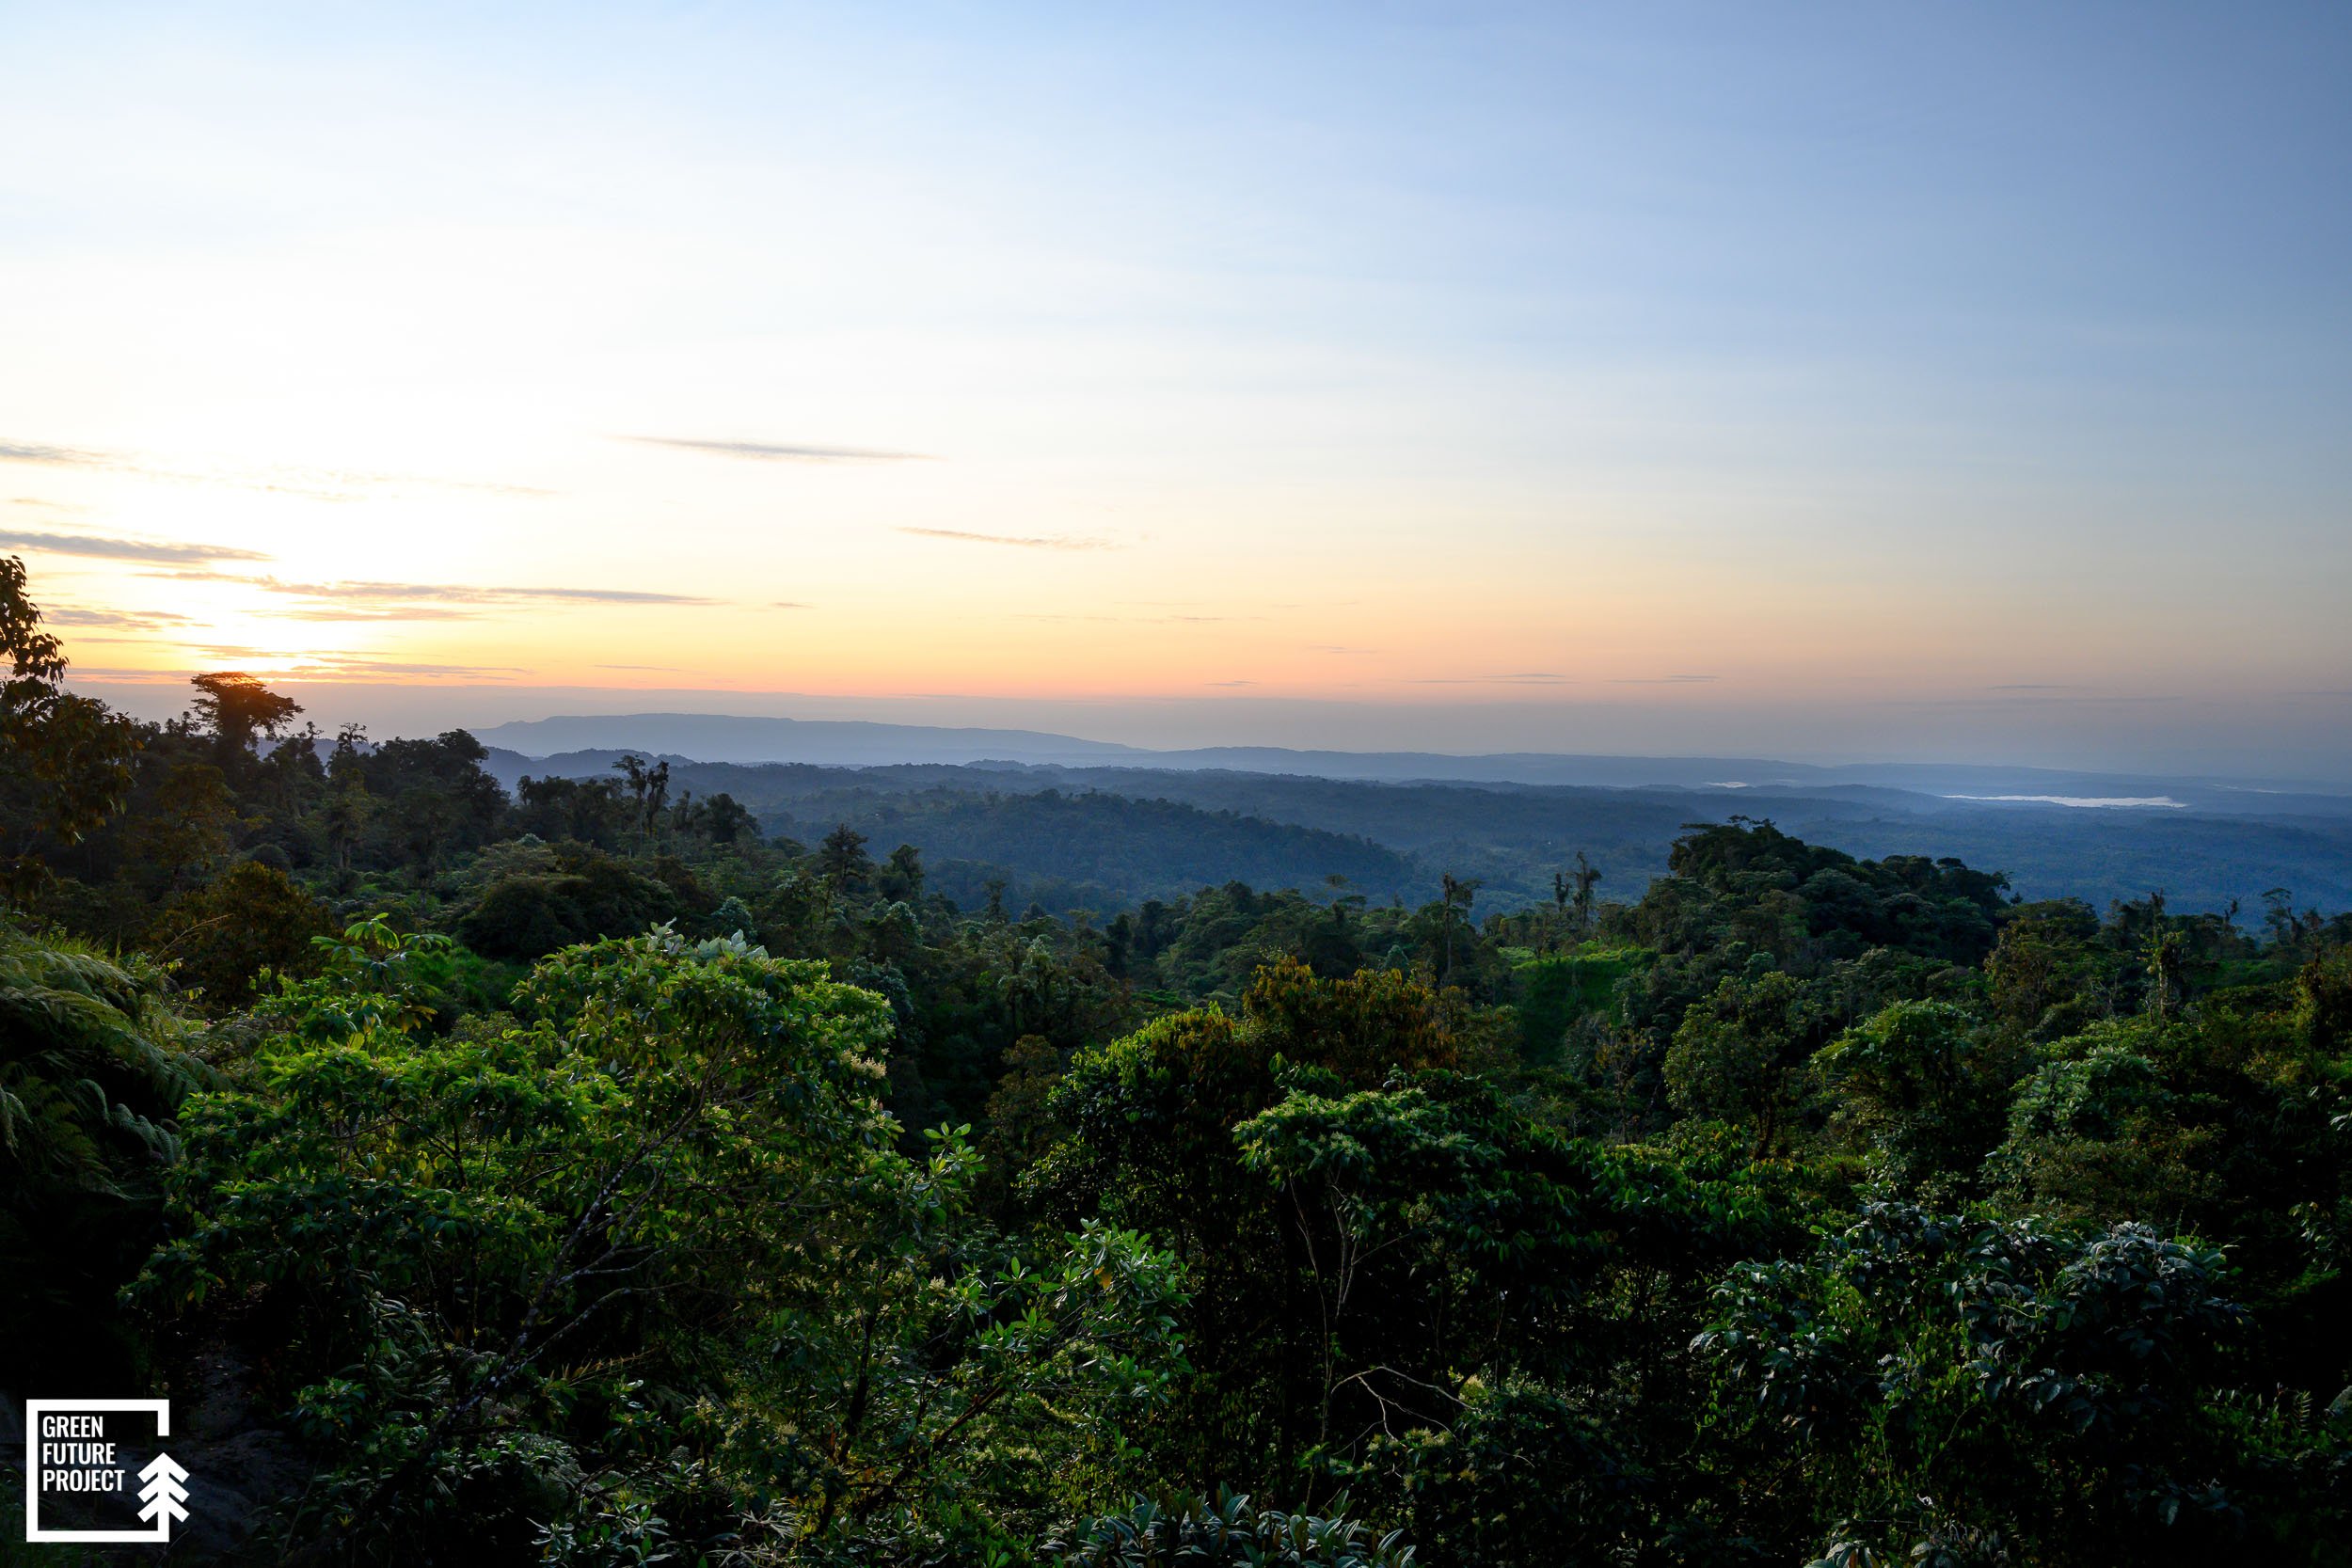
(1512, 836)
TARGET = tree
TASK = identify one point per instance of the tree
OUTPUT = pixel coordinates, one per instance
(1923, 1083)
(94, 1065)
(728, 820)
(1948, 1388)
(191, 826)
(221, 937)
(648, 791)
(238, 709)
(1574, 890)
(1454, 895)
(1586, 878)
(1738, 1057)
(842, 860)
(65, 761)
(672, 1179)
(900, 879)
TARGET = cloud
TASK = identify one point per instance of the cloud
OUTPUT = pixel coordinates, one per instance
(421, 601)
(360, 669)
(125, 676)
(347, 613)
(63, 457)
(46, 505)
(2031, 699)
(334, 485)
(1037, 542)
(122, 550)
(462, 594)
(341, 666)
(671, 668)
(1232, 683)
(776, 452)
(787, 604)
(67, 615)
(1535, 678)
(1665, 680)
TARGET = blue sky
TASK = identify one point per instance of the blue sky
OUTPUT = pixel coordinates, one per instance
(1960, 382)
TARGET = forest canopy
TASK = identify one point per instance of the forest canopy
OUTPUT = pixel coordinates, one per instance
(598, 1172)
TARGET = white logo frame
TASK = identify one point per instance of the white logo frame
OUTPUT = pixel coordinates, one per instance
(34, 1411)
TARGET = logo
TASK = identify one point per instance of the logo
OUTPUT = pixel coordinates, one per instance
(87, 1465)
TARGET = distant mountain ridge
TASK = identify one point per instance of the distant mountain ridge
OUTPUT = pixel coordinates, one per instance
(839, 742)
(987, 819)
(859, 743)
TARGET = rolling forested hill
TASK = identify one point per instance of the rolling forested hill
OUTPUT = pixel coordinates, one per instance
(1397, 838)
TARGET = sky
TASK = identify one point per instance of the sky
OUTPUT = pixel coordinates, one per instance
(1830, 382)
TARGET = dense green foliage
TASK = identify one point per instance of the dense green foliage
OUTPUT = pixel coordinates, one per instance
(585, 1175)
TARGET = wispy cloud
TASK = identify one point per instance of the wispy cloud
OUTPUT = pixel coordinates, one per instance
(419, 601)
(787, 604)
(1665, 680)
(62, 457)
(783, 451)
(68, 615)
(343, 666)
(1027, 542)
(2028, 699)
(348, 612)
(122, 550)
(334, 485)
(465, 593)
(46, 505)
(1537, 677)
(1232, 683)
(119, 676)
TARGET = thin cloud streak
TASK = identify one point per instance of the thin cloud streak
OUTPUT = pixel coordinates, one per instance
(317, 483)
(422, 601)
(777, 452)
(121, 550)
(462, 594)
(67, 615)
(1041, 542)
(63, 457)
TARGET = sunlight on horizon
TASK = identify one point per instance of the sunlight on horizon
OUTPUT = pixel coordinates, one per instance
(1631, 373)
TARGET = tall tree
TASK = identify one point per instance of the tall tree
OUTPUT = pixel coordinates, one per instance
(237, 708)
(65, 761)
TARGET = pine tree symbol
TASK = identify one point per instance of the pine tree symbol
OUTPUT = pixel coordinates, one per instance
(163, 1495)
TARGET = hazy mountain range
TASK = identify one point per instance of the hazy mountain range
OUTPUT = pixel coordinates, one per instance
(719, 737)
(1101, 825)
